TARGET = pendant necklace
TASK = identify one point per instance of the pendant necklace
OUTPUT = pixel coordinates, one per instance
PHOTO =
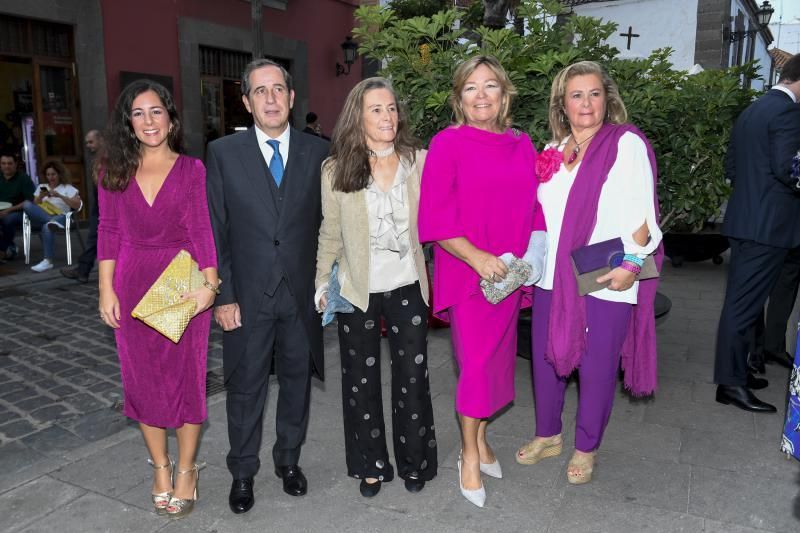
(575, 151)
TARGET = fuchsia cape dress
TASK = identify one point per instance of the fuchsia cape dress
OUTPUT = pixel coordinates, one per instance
(164, 383)
(479, 185)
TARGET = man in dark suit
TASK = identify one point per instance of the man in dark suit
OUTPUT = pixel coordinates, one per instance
(264, 200)
(762, 223)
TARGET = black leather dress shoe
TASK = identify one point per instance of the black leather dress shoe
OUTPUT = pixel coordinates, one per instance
(414, 485)
(241, 497)
(783, 359)
(368, 490)
(755, 383)
(294, 482)
(743, 398)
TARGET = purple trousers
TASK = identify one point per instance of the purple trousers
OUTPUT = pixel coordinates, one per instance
(607, 325)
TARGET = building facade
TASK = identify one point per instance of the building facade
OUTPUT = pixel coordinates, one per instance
(63, 64)
(698, 31)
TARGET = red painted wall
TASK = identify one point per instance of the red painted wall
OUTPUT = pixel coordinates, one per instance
(142, 36)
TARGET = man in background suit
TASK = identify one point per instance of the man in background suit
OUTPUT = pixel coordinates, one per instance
(80, 273)
(762, 223)
(264, 201)
(770, 328)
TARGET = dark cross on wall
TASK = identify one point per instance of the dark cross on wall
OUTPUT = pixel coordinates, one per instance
(630, 35)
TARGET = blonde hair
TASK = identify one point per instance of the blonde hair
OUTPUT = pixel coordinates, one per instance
(464, 71)
(615, 108)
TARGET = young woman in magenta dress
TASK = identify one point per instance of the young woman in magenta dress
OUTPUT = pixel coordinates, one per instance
(153, 204)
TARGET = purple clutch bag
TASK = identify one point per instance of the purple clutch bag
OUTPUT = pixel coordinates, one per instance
(595, 260)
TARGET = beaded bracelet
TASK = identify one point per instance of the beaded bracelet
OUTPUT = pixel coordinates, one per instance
(635, 259)
(631, 267)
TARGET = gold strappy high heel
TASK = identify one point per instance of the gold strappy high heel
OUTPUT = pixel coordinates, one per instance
(161, 500)
(179, 508)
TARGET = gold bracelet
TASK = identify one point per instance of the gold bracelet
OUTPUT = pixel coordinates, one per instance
(207, 284)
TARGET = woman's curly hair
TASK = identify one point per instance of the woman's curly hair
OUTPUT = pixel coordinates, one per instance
(121, 152)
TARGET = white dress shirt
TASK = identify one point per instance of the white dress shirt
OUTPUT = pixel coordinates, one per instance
(626, 201)
(266, 150)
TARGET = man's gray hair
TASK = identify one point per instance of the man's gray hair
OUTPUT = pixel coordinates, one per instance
(260, 63)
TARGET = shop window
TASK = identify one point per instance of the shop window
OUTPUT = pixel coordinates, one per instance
(35, 37)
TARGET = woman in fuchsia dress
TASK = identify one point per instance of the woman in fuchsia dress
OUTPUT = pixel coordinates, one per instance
(153, 205)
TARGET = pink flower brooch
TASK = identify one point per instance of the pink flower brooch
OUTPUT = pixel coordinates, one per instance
(548, 163)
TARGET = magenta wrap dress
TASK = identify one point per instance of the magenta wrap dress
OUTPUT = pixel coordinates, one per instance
(479, 185)
(164, 383)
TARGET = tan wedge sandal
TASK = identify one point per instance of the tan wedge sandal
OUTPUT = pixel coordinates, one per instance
(580, 467)
(539, 448)
(161, 499)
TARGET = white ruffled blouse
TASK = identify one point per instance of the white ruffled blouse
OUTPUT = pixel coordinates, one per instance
(390, 265)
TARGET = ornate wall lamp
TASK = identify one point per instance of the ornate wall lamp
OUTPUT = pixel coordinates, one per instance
(764, 14)
(350, 50)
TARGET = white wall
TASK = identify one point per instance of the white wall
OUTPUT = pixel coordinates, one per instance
(789, 35)
(659, 23)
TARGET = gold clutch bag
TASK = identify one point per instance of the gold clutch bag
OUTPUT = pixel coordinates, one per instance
(161, 307)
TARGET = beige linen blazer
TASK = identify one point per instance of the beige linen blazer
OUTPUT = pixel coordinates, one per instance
(344, 236)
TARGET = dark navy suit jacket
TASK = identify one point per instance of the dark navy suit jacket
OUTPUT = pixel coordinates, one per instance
(765, 204)
(265, 233)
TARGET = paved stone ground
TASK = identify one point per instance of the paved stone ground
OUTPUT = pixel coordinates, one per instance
(59, 375)
(676, 462)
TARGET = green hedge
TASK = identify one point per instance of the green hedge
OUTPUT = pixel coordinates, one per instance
(687, 118)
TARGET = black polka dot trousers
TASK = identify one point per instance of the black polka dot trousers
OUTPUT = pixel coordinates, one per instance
(413, 434)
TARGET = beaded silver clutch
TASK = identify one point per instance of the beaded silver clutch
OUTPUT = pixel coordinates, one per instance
(518, 273)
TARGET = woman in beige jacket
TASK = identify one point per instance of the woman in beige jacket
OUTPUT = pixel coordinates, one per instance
(370, 196)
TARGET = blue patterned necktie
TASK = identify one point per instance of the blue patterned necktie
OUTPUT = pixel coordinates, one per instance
(276, 163)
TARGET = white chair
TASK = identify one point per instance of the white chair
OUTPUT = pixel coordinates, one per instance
(26, 234)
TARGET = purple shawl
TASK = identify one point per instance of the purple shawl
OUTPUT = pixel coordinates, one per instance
(566, 341)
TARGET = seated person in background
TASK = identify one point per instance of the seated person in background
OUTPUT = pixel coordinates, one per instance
(15, 188)
(313, 127)
(49, 207)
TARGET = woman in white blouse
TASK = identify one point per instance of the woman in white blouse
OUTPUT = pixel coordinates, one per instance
(49, 207)
(370, 196)
(597, 183)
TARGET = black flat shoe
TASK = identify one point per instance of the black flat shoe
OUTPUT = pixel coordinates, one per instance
(743, 398)
(368, 490)
(755, 383)
(241, 497)
(414, 485)
(74, 273)
(783, 359)
(294, 482)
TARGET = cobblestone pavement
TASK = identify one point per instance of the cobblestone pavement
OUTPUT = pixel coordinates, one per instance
(59, 373)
